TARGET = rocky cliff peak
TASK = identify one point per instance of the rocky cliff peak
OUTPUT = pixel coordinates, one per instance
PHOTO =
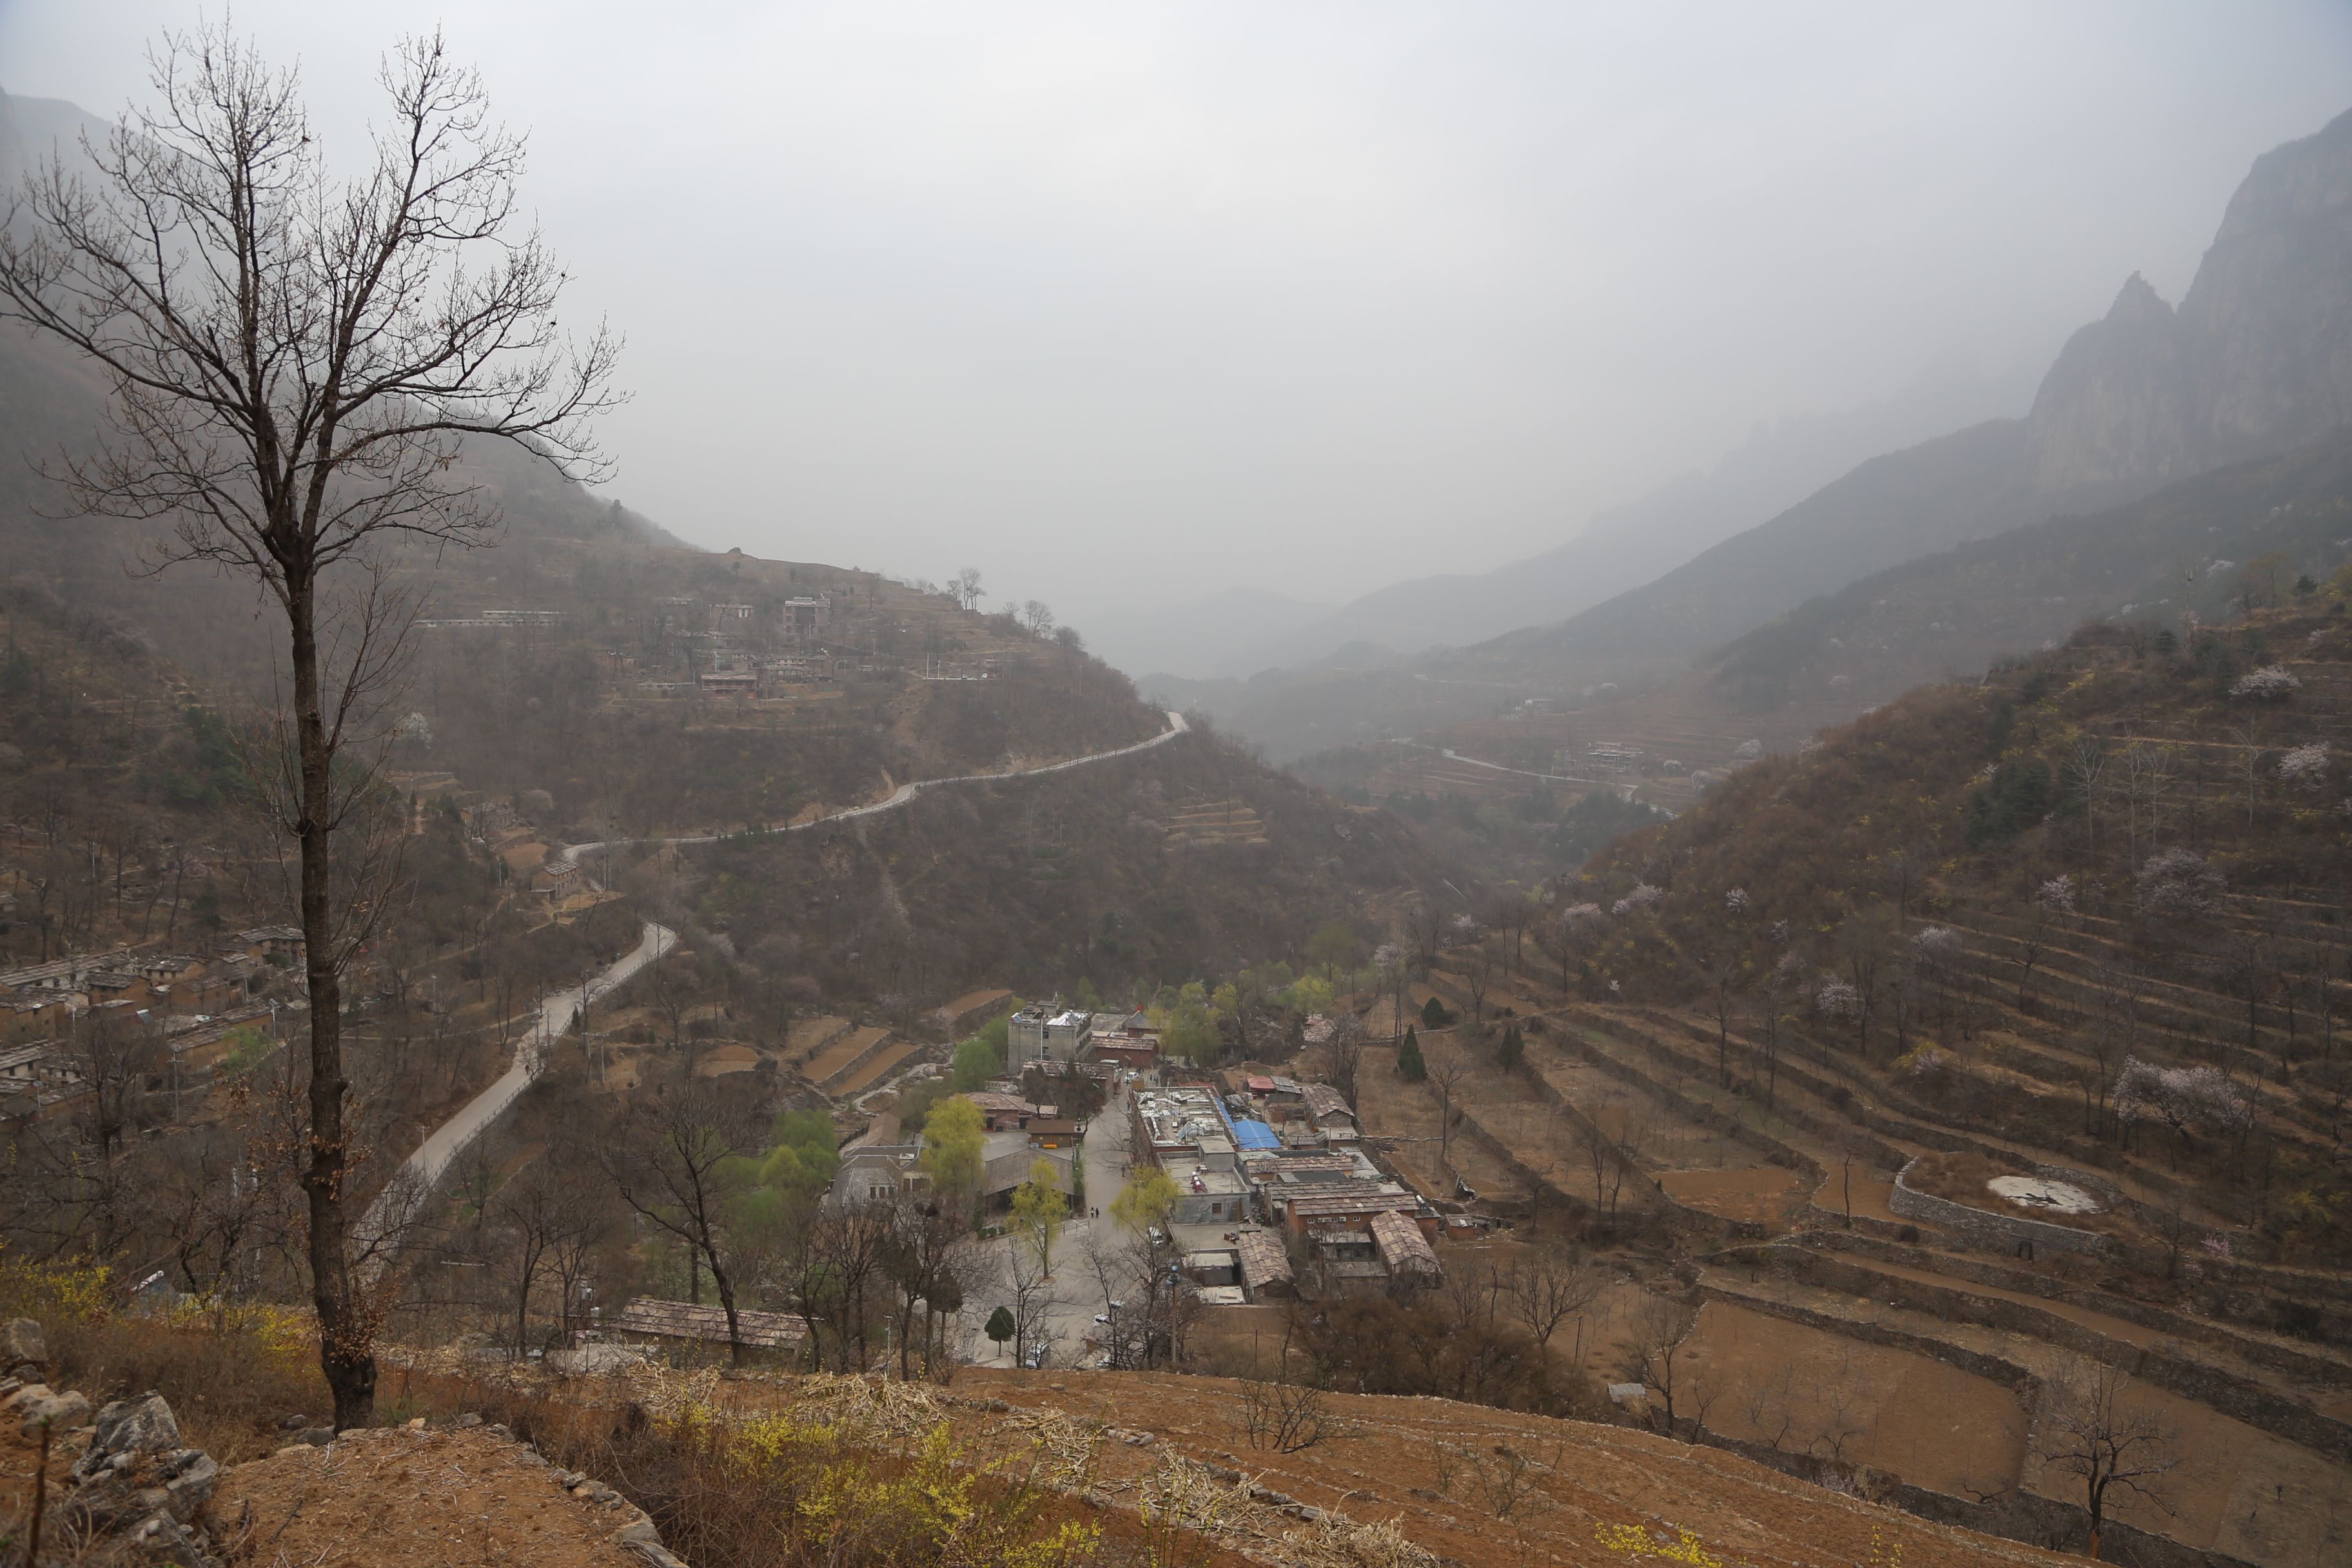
(2258, 358)
(2111, 410)
(2268, 321)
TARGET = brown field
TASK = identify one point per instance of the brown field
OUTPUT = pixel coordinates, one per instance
(1767, 1380)
(844, 1051)
(1407, 1113)
(1766, 1194)
(1435, 1467)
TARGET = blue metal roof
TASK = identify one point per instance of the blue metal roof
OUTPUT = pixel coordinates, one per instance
(1254, 1135)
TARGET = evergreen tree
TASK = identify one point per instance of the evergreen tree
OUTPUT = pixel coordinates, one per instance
(1000, 1327)
(1513, 1051)
(1410, 1065)
(1435, 1016)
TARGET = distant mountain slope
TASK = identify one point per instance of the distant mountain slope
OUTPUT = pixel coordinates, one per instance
(2154, 560)
(1624, 546)
(2257, 360)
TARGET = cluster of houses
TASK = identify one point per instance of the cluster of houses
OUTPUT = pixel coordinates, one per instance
(184, 999)
(1270, 1172)
(879, 1164)
(1248, 1151)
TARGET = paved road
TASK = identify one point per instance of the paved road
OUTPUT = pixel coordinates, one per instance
(405, 1194)
(908, 791)
(1075, 1296)
(397, 1205)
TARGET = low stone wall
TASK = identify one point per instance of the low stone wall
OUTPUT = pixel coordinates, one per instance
(2284, 1358)
(1983, 1226)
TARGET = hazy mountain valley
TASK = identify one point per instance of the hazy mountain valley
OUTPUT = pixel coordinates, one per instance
(1802, 1027)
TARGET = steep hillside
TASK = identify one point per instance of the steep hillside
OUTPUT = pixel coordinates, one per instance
(1990, 901)
(1187, 859)
(2186, 550)
(2257, 360)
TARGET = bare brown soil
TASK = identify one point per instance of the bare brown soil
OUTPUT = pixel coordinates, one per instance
(1439, 1470)
(1961, 1177)
(1772, 1380)
(392, 1498)
(1405, 1117)
(1765, 1194)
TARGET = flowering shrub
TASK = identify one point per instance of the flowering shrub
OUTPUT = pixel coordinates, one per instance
(1925, 1062)
(34, 1289)
(1833, 998)
(2057, 894)
(2305, 765)
(2178, 882)
(1575, 915)
(1632, 1540)
(1736, 901)
(1939, 944)
(2189, 1099)
(1640, 899)
(2271, 683)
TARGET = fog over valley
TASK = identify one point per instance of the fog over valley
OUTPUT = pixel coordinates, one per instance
(904, 785)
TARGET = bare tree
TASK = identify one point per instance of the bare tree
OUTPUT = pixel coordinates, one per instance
(931, 1255)
(2085, 768)
(545, 1220)
(1425, 923)
(293, 365)
(2091, 1428)
(2032, 945)
(666, 1160)
(964, 588)
(1478, 967)
(2246, 762)
(1287, 1412)
(1035, 1301)
(1343, 1051)
(1655, 1356)
(1547, 1286)
(2146, 778)
(1720, 977)
(1448, 1065)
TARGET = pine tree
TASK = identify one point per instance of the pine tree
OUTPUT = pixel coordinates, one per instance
(1000, 1327)
(1513, 1051)
(1409, 1063)
(1434, 1014)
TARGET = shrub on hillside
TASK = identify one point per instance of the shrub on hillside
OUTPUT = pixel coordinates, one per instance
(2271, 683)
(2178, 883)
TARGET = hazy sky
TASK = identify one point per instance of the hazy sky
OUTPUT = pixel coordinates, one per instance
(1121, 299)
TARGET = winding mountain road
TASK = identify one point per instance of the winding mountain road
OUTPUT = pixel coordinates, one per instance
(907, 791)
(403, 1197)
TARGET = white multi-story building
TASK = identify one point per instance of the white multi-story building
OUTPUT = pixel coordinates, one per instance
(1043, 1034)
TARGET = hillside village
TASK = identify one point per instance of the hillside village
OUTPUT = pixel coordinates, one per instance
(527, 1039)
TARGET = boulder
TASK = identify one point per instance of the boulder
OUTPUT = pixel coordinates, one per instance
(129, 1428)
(24, 1352)
(36, 1405)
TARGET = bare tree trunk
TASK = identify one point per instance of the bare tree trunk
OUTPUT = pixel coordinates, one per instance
(346, 1329)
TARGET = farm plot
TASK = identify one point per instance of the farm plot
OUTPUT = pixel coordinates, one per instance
(1772, 1380)
(1404, 1115)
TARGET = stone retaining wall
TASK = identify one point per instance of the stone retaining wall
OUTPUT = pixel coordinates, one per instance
(2210, 1385)
(1983, 1226)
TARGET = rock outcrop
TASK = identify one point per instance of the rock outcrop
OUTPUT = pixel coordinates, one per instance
(2257, 360)
(130, 1490)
